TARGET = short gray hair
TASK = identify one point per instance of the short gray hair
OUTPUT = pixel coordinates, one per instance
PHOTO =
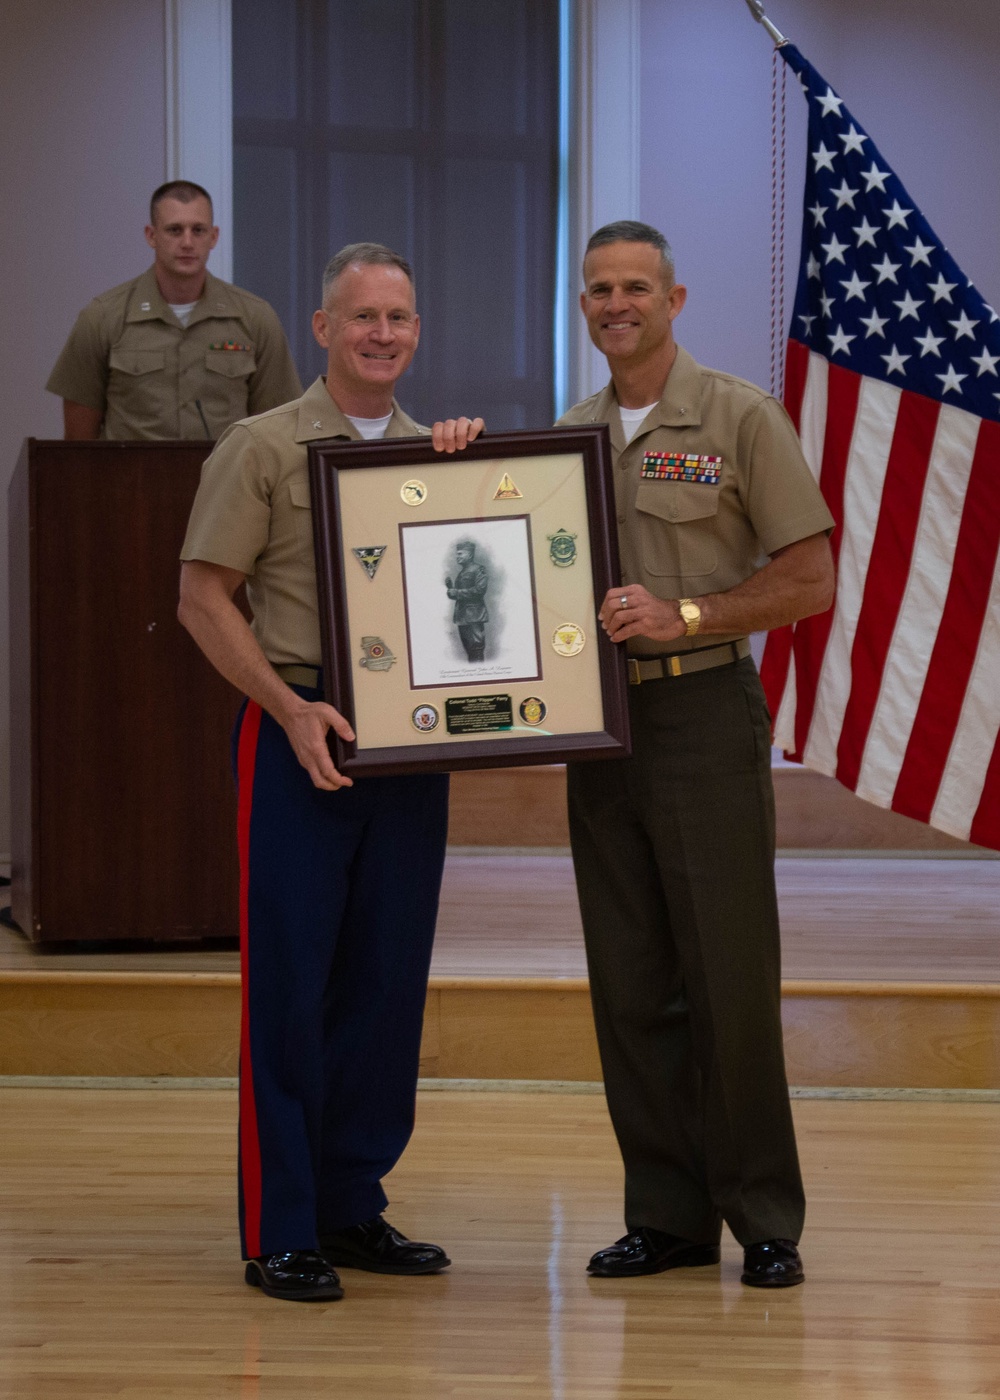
(631, 231)
(368, 255)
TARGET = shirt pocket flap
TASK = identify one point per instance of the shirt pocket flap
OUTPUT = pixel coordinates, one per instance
(677, 501)
(136, 361)
(234, 364)
(300, 495)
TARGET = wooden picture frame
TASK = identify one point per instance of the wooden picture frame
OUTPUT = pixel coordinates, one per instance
(458, 600)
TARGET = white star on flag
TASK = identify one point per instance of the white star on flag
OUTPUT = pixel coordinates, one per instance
(895, 363)
(853, 140)
(929, 343)
(886, 270)
(963, 326)
(908, 307)
(875, 324)
(875, 178)
(897, 216)
(855, 287)
(919, 252)
(951, 379)
(942, 290)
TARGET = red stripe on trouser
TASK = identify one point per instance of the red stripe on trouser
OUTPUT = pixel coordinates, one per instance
(813, 633)
(888, 571)
(957, 641)
(250, 1170)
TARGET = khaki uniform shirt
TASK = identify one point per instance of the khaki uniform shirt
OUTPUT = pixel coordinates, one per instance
(129, 357)
(252, 512)
(682, 538)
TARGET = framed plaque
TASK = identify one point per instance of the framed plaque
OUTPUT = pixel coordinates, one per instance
(458, 600)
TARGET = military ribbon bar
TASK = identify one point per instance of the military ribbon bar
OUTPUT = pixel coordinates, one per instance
(681, 466)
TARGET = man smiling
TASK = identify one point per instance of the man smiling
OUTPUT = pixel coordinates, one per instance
(339, 883)
(674, 847)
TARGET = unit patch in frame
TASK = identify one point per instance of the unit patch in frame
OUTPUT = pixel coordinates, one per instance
(377, 656)
(568, 639)
(413, 492)
(369, 556)
(532, 710)
(507, 491)
(425, 718)
(562, 548)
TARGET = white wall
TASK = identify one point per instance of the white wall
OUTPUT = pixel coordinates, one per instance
(83, 146)
(920, 76)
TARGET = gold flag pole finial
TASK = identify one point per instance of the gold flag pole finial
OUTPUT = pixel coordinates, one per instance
(756, 8)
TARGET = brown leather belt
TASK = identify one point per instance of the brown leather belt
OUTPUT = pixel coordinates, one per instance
(683, 663)
(300, 675)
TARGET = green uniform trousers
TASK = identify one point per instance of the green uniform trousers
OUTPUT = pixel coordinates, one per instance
(674, 857)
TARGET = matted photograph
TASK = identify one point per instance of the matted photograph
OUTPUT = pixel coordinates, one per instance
(469, 591)
(459, 599)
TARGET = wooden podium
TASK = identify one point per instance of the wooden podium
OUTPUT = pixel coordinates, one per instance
(123, 805)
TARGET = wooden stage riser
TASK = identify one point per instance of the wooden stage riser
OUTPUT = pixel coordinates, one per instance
(896, 1037)
(527, 807)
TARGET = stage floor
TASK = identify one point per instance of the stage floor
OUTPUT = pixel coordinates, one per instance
(120, 1273)
(504, 915)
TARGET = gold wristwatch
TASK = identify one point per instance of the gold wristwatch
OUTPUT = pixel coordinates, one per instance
(691, 613)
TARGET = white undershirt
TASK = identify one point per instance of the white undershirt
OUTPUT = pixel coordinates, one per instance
(370, 427)
(632, 418)
(182, 310)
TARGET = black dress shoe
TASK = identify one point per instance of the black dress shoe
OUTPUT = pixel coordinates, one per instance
(649, 1251)
(374, 1245)
(302, 1276)
(772, 1264)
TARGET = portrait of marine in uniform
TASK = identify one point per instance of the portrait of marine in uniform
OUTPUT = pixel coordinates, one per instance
(468, 591)
(470, 601)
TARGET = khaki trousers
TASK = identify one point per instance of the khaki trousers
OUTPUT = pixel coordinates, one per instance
(674, 857)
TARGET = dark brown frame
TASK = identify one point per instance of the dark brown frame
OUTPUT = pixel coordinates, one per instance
(327, 460)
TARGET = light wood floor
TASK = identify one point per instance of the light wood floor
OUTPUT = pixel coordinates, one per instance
(845, 918)
(119, 1281)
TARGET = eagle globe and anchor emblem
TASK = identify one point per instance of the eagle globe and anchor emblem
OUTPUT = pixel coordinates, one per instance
(562, 548)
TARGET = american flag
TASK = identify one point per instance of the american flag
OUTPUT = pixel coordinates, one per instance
(893, 381)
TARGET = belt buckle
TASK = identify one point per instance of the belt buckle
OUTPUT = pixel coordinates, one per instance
(634, 674)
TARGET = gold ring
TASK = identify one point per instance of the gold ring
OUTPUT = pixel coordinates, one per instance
(624, 600)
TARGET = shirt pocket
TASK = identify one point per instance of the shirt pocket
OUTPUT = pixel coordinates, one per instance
(136, 362)
(231, 364)
(678, 532)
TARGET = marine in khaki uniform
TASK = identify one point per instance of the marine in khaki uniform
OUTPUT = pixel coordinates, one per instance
(723, 532)
(175, 353)
(339, 880)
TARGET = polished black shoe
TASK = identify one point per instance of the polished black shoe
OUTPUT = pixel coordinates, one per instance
(649, 1251)
(302, 1276)
(772, 1264)
(374, 1245)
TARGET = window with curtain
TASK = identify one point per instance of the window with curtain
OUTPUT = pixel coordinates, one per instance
(428, 125)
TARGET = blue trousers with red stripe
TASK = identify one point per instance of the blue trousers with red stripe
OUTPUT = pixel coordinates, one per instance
(339, 896)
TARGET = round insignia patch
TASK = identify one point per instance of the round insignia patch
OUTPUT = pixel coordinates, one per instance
(413, 492)
(425, 718)
(532, 710)
(562, 549)
(568, 640)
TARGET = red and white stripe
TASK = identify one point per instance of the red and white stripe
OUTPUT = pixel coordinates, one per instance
(896, 691)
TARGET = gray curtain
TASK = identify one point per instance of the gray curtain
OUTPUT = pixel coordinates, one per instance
(429, 125)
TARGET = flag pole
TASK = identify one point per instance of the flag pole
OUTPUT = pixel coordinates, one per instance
(756, 8)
